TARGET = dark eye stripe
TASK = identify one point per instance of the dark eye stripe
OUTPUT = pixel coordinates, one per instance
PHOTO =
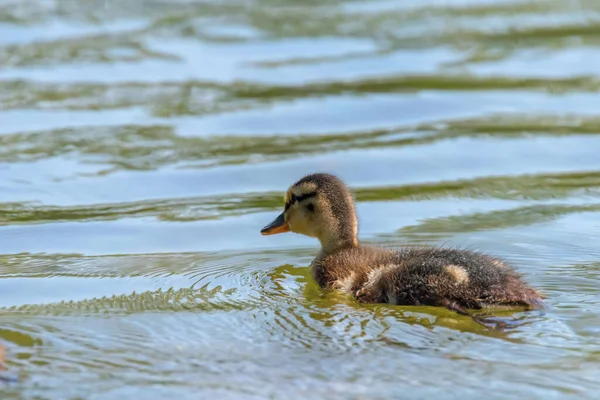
(294, 198)
(306, 196)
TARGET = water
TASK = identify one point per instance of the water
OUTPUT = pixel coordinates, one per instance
(143, 144)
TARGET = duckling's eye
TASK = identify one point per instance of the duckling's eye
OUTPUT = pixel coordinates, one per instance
(310, 207)
(293, 198)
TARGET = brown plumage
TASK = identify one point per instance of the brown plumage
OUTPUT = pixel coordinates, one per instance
(321, 206)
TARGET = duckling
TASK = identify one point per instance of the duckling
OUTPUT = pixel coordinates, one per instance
(321, 206)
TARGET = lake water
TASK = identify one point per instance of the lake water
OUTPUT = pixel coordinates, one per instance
(144, 144)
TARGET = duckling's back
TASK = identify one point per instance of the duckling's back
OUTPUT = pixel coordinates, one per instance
(454, 278)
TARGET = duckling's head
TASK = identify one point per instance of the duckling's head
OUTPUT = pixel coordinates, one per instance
(321, 206)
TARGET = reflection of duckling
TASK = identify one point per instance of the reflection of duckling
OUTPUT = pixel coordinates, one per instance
(320, 205)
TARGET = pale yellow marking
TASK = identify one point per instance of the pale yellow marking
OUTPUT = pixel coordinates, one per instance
(375, 276)
(458, 273)
(345, 285)
(307, 187)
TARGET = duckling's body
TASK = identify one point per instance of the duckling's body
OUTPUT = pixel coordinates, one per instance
(320, 205)
(457, 279)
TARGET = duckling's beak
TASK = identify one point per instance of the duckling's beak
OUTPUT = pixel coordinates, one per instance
(278, 225)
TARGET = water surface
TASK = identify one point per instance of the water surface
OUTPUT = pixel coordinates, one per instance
(143, 144)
